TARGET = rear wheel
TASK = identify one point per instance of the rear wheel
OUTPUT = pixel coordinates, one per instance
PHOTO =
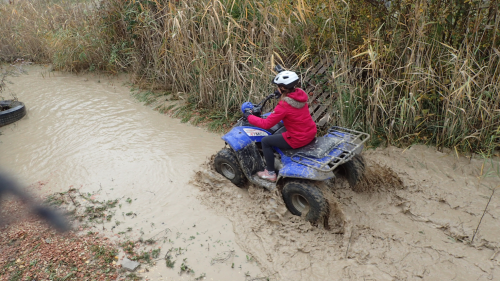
(227, 164)
(303, 197)
(353, 170)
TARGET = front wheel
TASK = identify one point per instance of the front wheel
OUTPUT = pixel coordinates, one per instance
(227, 164)
(303, 197)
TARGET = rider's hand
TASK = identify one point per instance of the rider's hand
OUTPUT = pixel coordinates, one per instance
(247, 113)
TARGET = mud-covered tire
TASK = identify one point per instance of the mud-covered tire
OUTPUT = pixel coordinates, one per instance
(354, 170)
(302, 196)
(11, 111)
(226, 164)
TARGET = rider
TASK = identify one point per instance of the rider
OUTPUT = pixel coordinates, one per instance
(293, 110)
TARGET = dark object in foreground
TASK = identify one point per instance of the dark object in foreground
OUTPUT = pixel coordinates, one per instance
(7, 186)
(11, 111)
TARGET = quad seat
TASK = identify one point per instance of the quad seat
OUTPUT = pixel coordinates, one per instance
(317, 148)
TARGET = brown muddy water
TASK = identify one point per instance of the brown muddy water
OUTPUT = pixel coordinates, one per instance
(88, 132)
(412, 219)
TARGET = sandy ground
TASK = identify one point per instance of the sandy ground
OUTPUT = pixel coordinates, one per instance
(415, 222)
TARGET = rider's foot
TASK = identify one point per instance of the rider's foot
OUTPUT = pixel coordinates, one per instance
(267, 175)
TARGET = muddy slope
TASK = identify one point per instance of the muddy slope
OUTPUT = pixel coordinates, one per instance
(414, 220)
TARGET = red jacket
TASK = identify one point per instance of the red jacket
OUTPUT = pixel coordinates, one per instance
(293, 110)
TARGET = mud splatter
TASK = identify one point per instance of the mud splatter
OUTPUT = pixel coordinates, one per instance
(378, 177)
(335, 220)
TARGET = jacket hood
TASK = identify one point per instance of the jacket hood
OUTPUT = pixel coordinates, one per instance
(298, 95)
(297, 98)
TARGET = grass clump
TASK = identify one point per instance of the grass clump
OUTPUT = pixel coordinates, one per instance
(105, 253)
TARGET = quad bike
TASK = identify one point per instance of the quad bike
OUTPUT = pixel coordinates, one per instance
(335, 154)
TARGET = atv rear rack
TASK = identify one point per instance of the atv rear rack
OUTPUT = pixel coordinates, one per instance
(350, 142)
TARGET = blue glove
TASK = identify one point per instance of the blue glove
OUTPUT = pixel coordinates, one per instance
(247, 105)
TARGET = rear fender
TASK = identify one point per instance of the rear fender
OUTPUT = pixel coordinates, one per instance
(293, 169)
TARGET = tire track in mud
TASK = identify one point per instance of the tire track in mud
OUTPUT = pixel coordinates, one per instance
(402, 224)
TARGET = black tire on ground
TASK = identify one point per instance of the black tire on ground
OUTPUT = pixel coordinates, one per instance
(226, 164)
(302, 196)
(11, 111)
(353, 170)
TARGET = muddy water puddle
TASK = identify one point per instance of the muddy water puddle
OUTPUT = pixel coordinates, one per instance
(87, 132)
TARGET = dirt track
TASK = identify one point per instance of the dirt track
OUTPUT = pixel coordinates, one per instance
(416, 222)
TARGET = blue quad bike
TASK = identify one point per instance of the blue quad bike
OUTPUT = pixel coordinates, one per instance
(299, 170)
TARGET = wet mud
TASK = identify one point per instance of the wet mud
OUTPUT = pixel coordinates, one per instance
(412, 217)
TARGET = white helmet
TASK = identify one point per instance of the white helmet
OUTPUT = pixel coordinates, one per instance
(287, 79)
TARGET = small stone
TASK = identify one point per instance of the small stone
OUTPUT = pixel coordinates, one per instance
(48, 241)
(129, 265)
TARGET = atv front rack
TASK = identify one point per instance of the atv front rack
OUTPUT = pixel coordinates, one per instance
(349, 143)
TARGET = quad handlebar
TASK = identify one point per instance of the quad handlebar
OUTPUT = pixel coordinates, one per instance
(257, 108)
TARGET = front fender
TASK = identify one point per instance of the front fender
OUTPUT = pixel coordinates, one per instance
(240, 137)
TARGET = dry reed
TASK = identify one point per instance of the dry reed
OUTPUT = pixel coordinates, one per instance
(414, 71)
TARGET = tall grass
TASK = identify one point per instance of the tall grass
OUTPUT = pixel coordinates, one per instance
(218, 52)
(411, 84)
(416, 71)
(72, 35)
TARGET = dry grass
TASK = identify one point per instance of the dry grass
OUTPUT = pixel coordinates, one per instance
(418, 72)
(72, 35)
(419, 89)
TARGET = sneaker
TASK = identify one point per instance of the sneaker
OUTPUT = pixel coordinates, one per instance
(267, 176)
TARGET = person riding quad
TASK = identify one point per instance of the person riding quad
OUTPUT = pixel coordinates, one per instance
(293, 110)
